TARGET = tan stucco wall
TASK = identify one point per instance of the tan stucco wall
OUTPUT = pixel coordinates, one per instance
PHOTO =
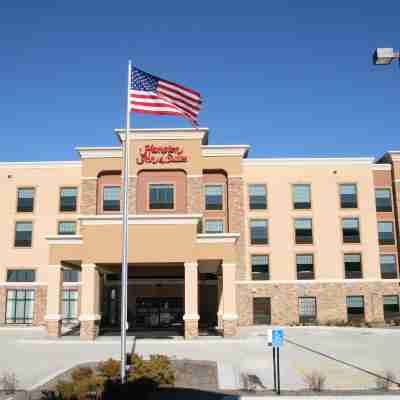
(328, 248)
(47, 181)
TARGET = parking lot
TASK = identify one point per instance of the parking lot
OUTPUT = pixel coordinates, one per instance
(34, 358)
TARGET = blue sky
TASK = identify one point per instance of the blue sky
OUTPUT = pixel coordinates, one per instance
(290, 78)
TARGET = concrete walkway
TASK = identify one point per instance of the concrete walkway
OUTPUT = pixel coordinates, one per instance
(34, 358)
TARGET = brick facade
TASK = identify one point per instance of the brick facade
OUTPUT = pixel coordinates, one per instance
(191, 329)
(236, 220)
(195, 195)
(132, 195)
(331, 299)
(89, 330)
(88, 196)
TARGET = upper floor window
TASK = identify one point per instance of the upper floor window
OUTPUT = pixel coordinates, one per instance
(259, 231)
(67, 228)
(351, 230)
(23, 234)
(214, 197)
(71, 275)
(111, 198)
(25, 199)
(161, 196)
(352, 266)
(305, 266)
(260, 267)
(301, 197)
(348, 195)
(385, 232)
(388, 266)
(303, 230)
(383, 199)
(21, 275)
(214, 226)
(257, 197)
(68, 199)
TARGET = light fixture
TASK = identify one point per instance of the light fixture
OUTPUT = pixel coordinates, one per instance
(384, 56)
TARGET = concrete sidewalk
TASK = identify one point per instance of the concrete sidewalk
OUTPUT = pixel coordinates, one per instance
(34, 358)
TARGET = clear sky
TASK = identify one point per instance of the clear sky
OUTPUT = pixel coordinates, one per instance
(289, 77)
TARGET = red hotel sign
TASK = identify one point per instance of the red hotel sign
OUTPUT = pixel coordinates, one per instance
(152, 154)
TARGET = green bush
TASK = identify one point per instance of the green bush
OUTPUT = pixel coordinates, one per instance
(65, 390)
(158, 369)
(109, 369)
(81, 373)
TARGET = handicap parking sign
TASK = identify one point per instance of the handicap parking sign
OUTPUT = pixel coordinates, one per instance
(277, 337)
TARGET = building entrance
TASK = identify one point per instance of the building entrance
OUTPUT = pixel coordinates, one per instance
(159, 312)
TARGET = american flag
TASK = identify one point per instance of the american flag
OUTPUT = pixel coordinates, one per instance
(152, 95)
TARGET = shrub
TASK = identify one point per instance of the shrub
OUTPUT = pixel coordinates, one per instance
(315, 380)
(383, 383)
(81, 373)
(109, 368)
(158, 369)
(65, 390)
(9, 382)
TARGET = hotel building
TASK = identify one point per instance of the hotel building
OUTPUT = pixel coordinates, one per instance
(217, 240)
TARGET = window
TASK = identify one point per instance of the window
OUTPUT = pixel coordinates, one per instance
(261, 310)
(260, 267)
(352, 266)
(383, 200)
(214, 226)
(388, 266)
(70, 304)
(68, 199)
(21, 275)
(305, 266)
(71, 275)
(214, 197)
(161, 196)
(303, 231)
(307, 309)
(67, 228)
(351, 230)
(20, 305)
(385, 232)
(259, 231)
(355, 307)
(391, 308)
(23, 234)
(25, 200)
(301, 197)
(111, 198)
(257, 197)
(348, 195)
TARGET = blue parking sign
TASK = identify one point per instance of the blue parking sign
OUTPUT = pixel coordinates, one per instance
(277, 337)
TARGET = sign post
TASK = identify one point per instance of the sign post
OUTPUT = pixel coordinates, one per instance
(275, 339)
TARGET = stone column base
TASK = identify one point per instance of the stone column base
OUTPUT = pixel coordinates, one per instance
(230, 327)
(89, 329)
(53, 328)
(191, 328)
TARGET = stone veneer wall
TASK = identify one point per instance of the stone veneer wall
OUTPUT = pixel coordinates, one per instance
(195, 195)
(331, 299)
(88, 197)
(236, 220)
(132, 181)
(3, 300)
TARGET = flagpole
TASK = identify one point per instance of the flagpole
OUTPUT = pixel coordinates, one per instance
(124, 274)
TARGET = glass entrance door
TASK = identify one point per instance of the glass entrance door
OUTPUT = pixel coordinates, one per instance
(158, 312)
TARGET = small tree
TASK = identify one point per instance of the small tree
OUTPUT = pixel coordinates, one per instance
(315, 380)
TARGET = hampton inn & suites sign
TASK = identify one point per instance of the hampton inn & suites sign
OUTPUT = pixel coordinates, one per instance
(153, 154)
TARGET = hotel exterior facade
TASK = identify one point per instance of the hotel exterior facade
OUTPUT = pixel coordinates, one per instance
(217, 240)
